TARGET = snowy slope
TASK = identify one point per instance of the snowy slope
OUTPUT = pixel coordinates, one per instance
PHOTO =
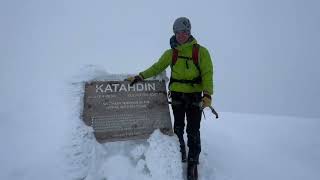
(248, 146)
(235, 146)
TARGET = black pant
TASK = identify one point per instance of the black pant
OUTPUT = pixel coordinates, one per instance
(188, 104)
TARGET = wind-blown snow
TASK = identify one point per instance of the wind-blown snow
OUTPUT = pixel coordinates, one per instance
(156, 158)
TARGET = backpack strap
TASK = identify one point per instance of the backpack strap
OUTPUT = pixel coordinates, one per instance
(195, 54)
(174, 56)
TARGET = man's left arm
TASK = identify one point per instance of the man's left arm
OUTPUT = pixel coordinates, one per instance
(207, 70)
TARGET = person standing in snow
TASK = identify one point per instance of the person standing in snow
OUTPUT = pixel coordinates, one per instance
(191, 86)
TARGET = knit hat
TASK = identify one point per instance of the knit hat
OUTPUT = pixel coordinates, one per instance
(182, 24)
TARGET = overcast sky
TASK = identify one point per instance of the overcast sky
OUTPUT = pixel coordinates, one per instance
(266, 53)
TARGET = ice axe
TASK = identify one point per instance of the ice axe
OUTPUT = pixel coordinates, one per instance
(212, 110)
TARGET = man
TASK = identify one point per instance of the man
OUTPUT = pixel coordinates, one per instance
(191, 87)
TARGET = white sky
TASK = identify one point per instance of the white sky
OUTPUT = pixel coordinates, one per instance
(265, 52)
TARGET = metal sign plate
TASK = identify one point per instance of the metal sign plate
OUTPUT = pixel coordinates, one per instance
(118, 111)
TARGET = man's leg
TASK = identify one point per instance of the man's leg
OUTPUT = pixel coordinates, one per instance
(193, 132)
(179, 124)
(194, 143)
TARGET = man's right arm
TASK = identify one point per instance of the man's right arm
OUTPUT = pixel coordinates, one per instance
(158, 67)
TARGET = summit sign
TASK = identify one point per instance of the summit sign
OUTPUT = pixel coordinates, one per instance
(118, 111)
(117, 87)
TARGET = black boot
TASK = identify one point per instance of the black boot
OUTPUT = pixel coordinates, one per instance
(192, 173)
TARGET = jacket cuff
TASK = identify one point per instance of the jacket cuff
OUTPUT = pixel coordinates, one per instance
(140, 74)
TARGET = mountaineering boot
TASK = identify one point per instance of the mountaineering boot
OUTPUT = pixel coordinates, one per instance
(192, 173)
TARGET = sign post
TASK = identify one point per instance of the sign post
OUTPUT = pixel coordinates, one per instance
(118, 111)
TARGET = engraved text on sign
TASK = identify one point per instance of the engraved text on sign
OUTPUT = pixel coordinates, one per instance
(118, 111)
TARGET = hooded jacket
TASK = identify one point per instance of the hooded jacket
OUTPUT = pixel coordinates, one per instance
(185, 69)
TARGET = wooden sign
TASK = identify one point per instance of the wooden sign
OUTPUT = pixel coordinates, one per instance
(118, 111)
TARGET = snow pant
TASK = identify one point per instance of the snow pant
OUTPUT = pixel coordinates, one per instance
(188, 104)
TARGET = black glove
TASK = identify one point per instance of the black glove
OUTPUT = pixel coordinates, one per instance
(134, 79)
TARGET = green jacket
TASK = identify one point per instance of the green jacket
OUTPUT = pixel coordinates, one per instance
(180, 70)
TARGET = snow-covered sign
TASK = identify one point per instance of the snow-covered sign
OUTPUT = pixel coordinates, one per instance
(118, 111)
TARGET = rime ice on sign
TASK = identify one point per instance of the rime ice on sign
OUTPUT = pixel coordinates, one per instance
(118, 111)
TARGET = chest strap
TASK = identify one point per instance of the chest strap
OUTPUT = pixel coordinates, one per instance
(195, 58)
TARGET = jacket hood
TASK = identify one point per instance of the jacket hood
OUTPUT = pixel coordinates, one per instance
(175, 45)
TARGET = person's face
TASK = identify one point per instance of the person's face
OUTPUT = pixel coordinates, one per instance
(182, 37)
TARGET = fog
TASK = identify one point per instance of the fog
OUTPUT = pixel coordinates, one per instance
(265, 52)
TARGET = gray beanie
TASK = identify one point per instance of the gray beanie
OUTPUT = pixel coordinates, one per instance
(182, 24)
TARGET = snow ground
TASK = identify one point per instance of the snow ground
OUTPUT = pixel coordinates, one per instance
(235, 146)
